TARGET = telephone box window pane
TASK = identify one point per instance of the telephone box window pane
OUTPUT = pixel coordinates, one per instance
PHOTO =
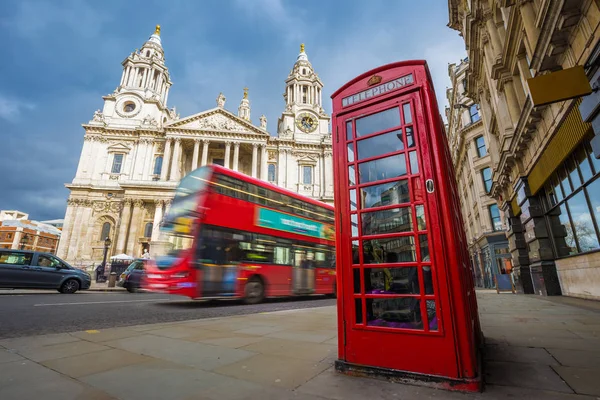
(395, 313)
(354, 222)
(350, 152)
(377, 122)
(351, 176)
(414, 163)
(355, 252)
(432, 315)
(356, 274)
(389, 250)
(392, 280)
(410, 137)
(349, 130)
(421, 223)
(385, 194)
(407, 114)
(353, 204)
(424, 248)
(384, 168)
(387, 221)
(428, 279)
(377, 145)
(358, 309)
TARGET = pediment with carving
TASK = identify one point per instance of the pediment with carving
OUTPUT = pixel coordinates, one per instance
(218, 120)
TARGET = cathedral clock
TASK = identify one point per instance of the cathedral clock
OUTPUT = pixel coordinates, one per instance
(306, 122)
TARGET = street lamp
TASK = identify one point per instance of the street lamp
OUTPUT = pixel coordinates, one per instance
(460, 105)
(106, 246)
(24, 240)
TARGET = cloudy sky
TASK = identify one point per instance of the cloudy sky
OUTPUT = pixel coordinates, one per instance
(60, 56)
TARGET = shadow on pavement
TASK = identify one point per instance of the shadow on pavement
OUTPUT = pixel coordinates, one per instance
(210, 303)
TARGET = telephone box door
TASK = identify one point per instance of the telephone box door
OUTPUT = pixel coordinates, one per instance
(396, 310)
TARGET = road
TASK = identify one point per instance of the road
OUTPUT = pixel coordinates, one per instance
(38, 314)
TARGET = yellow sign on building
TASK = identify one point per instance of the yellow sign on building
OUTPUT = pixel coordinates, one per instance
(558, 86)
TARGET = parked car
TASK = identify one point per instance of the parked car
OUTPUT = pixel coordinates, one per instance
(131, 278)
(22, 269)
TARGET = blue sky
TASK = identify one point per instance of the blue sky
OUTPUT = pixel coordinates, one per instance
(60, 56)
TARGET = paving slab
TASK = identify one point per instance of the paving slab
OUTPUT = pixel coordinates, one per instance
(198, 355)
(277, 371)
(234, 342)
(61, 350)
(577, 358)
(294, 349)
(533, 376)
(38, 341)
(104, 335)
(28, 380)
(519, 354)
(582, 380)
(304, 336)
(86, 364)
(9, 356)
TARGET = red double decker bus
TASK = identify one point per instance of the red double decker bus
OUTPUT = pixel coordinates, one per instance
(229, 235)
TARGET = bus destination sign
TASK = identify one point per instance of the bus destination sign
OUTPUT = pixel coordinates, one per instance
(288, 223)
(378, 90)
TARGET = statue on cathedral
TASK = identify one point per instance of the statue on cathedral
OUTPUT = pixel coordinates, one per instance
(221, 100)
(263, 122)
(98, 116)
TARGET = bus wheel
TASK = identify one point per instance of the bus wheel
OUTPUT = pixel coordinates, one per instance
(254, 291)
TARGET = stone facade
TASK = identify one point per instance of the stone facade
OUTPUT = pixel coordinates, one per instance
(468, 141)
(137, 149)
(540, 155)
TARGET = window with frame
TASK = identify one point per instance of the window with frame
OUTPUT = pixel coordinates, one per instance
(117, 164)
(474, 113)
(15, 258)
(148, 230)
(486, 176)
(307, 172)
(495, 218)
(271, 173)
(105, 231)
(158, 165)
(572, 200)
(480, 144)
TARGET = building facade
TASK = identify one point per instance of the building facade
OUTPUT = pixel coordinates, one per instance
(137, 149)
(468, 141)
(17, 232)
(546, 176)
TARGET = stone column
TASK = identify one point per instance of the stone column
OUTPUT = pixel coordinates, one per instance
(76, 233)
(528, 18)
(65, 237)
(86, 158)
(263, 162)
(496, 44)
(166, 161)
(133, 231)
(514, 109)
(149, 159)
(254, 158)
(195, 154)
(158, 216)
(205, 144)
(227, 154)
(87, 231)
(175, 174)
(168, 206)
(281, 167)
(236, 155)
(123, 226)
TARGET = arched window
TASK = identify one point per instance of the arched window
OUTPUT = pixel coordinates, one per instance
(105, 231)
(157, 165)
(148, 53)
(271, 173)
(148, 230)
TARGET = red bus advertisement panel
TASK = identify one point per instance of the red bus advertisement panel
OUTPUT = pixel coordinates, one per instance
(406, 303)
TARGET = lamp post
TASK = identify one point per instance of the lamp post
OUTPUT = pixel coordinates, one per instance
(107, 243)
(24, 240)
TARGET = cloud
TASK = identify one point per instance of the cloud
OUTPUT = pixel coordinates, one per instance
(11, 108)
(289, 20)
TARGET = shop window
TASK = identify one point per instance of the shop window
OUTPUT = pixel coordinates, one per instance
(117, 164)
(486, 175)
(480, 144)
(495, 218)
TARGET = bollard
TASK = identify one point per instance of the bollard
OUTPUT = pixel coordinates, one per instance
(112, 280)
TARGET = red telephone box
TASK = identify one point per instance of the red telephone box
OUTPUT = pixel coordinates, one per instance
(406, 300)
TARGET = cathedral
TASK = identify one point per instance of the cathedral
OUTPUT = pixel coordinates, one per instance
(136, 149)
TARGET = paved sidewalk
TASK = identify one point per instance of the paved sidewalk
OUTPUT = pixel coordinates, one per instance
(537, 349)
(96, 287)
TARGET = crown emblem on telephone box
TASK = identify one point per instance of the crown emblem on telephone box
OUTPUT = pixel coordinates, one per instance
(374, 80)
